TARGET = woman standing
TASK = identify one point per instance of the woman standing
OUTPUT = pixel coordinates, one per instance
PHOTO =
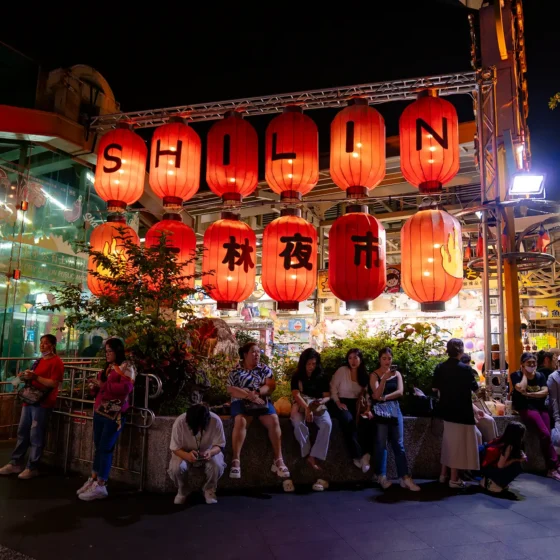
(250, 385)
(310, 390)
(348, 387)
(529, 400)
(387, 388)
(112, 388)
(46, 375)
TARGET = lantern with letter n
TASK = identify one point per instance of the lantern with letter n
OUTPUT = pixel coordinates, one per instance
(289, 259)
(107, 239)
(357, 258)
(429, 140)
(121, 168)
(175, 163)
(292, 154)
(432, 257)
(228, 264)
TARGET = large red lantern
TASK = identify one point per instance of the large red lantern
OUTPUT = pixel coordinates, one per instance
(180, 239)
(289, 259)
(357, 258)
(429, 139)
(228, 264)
(232, 158)
(121, 168)
(357, 148)
(175, 163)
(432, 257)
(104, 239)
(292, 154)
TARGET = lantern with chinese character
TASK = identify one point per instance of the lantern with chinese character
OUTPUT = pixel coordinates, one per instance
(232, 158)
(357, 148)
(432, 257)
(121, 168)
(180, 239)
(429, 139)
(228, 263)
(175, 163)
(289, 259)
(292, 154)
(105, 239)
(357, 260)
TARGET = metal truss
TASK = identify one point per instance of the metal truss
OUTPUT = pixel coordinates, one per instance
(376, 93)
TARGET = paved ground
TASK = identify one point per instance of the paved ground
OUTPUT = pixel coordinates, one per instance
(41, 518)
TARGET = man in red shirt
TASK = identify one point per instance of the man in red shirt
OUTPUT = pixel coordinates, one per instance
(46, 373)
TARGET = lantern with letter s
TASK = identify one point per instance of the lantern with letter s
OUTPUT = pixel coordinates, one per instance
(429, 141)
(292, 154)
(105, 239)
(121, 168)
(357, 148)
(432, 257)
(357, 258)
(228, 264)
(232, 158)
(289, 259)
(175, 163)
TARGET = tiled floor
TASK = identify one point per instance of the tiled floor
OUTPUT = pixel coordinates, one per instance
(42, 519)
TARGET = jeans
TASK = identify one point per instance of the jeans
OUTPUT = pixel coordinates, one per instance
(105, 435)
(347, 421)
(539, 420)
(31, 432)
(301, 431)
(395, 434)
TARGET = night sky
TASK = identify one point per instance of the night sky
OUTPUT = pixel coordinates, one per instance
(151, 61)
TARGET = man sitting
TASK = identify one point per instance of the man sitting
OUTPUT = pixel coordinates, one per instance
(197, 440)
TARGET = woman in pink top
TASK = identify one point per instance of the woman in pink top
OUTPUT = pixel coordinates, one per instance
(112, 388)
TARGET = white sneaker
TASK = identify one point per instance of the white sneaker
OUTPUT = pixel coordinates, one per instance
(28, 473)
(457, 484)
(85, 487)
(210, 496)
(409, 484)
(10, 469)
(384, 482)
(365, 462)
(179, 499)
(96, 492)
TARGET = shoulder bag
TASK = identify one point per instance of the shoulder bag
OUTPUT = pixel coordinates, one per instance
(31, 395)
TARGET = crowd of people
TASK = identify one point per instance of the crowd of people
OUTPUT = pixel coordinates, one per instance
(365, 405)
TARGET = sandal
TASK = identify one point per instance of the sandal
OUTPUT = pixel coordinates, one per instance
(320, 485)
(280, 469)
(288, 486)
(235, 471)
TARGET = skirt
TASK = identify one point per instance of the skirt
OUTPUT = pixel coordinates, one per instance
(459, 448)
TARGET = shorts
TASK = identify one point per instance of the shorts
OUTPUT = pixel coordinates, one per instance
(238, 407)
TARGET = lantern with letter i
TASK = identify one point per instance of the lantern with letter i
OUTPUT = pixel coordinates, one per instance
(121, 168)
(357, 148)
(429, 140)
(228, 264)
(357, 258)
(289, 259)
(232, 158)
(292, 154)
(175, 163)
(432, 257)
(108, 238)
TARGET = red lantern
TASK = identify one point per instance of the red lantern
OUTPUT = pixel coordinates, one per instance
(292, 154)
(432, 257)
(357, 259)
(180, 239)
(175, 163)
(121, 168)
(104, 239)
(358, 148)
(231, 255)
(429, 138)
(543, 241)
(232, 158)
(289, 260)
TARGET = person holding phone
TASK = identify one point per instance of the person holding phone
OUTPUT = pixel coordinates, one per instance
(197, 441)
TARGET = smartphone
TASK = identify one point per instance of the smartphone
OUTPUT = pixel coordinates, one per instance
(393, 368)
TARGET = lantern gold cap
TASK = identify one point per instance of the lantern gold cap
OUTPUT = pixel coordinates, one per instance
(290, 212)
(225, 215)
(173, 216)
(428, 92)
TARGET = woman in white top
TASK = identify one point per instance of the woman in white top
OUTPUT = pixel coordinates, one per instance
(348, 388)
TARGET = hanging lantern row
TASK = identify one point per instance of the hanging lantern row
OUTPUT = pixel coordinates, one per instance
(429, 140)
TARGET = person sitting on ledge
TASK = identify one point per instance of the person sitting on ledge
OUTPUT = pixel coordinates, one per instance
(197, 440)
(250, 385)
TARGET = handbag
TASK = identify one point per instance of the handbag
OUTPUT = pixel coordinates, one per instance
(34, 396)
(318, 409)
(387, 409)
(110, 409)
(254, 409)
